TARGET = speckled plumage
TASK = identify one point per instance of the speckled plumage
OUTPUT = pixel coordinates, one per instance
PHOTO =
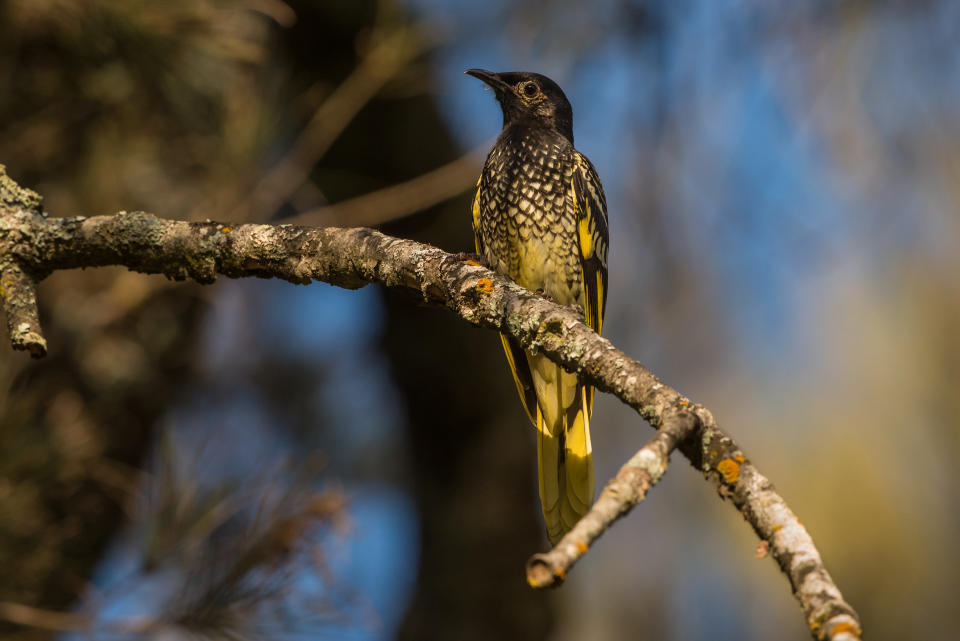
(539, 216)
(526, 208)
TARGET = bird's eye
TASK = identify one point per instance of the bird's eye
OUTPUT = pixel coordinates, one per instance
(530, 89)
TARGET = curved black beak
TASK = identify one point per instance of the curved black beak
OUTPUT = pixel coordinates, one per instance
(490, 78)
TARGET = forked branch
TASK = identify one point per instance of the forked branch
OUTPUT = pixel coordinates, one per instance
(33, 245)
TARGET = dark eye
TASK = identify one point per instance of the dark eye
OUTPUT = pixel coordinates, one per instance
(530, 89)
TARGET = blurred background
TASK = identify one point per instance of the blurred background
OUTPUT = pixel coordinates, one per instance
(255, 460)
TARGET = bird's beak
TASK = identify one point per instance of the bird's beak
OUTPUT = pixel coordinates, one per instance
(492, 79)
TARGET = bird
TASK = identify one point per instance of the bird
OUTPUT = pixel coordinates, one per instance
(540, 218)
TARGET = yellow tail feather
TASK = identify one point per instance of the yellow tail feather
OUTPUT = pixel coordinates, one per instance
(564, 451)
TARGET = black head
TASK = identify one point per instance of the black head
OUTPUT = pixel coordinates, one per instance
(531, 99)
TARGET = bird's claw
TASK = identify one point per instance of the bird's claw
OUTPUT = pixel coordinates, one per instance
(473, 259)
(546, 296)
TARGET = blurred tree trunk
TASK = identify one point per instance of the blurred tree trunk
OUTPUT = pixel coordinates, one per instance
(474, 454)
(474, 460)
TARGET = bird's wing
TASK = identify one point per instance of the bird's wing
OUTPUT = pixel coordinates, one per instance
(593, 237)
(515, 355)
(476, 218)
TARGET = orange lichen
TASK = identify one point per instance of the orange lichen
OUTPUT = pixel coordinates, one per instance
(485, 285)
(471, 261)
(581, 547)
(684, 402)
(730, 470)
(739, 458)
(226, 230)
(846, 626)
(560, 574)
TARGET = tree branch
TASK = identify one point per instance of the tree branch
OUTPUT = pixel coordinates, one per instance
(626, 489)
(354, 257)
(19, 293)
(18, 288)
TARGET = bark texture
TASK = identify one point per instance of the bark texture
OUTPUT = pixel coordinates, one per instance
(352, 257)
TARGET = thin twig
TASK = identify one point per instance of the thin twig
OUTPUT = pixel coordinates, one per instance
(626, 489)
(391, 53)
(43, 619)
(57, 621)
(399, 200)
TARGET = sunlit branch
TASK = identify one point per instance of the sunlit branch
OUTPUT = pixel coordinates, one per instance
(354, 257)
(626, 489)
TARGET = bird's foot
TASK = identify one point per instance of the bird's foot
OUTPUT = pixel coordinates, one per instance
(545, 295)
(472, 259)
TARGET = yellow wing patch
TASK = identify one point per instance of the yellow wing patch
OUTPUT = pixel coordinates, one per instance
(590, 204)
(476, 218)
(476, 210)
(586, 235)
(600, 298)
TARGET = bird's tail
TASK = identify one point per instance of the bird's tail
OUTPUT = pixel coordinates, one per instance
(564, 452)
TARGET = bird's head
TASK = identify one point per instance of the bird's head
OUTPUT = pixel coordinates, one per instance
(529, 98)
